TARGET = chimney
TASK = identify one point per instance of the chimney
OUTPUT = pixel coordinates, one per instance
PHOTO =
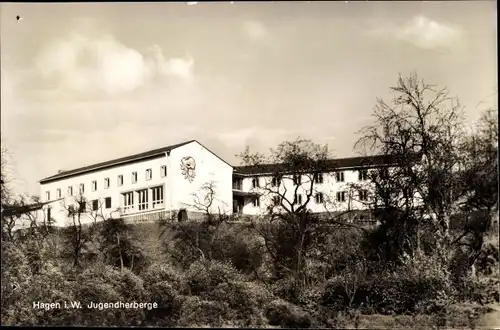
(60, 171)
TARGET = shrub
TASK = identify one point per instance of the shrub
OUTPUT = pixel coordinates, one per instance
(206, 275)
(396, 293)
(241, 247)
(157, 273)
(483, 290)
(104, 283)
(196, 312)
(284, 314)
(169, 304)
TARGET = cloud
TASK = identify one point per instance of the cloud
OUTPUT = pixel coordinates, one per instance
(85, 62)
(423, 33)
(255, 30)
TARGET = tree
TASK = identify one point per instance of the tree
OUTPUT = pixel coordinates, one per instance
(118, 245)
(196, 240)
(420, 131)
(288, 227)
(77, 237)
(479, 178)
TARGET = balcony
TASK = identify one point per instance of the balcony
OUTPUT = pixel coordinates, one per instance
(237, 185)
(146, 217)
(141, 208)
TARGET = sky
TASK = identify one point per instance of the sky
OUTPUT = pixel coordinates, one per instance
(89, 82)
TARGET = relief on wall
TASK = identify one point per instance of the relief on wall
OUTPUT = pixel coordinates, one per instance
(188, 167)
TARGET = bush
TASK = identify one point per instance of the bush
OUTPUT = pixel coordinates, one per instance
(388, 294)
(157, 273)
(196, 312)
(483, 290)
(104, 283)
(286, 315)
(241, 247)
(206, 275)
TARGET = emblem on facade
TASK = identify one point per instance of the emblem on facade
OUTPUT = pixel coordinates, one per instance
(188, 167)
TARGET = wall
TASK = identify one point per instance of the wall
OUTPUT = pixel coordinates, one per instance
(59, 212)
(208, 168)
(329, 188)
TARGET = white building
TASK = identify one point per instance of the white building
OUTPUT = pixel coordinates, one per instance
(158, 183)
(344, 185)
(141, 187)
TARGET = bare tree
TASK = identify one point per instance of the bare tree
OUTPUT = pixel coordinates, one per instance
(203, 201)
(479, 178)
(77, 237)
(420, 130)
(288, 226)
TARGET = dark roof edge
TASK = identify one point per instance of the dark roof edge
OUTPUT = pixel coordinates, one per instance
(332, 168)
(114, 162)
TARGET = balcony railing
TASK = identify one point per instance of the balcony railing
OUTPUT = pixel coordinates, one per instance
(237, 186)
(151, 216)
(142, 207)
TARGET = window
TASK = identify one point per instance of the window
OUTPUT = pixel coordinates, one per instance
(82, 206)
(120, 180)
(255, 182)
(47, 195)
(143, 199)
(82, 188)
(297, 199)
(319, 198)
(149, 174)
(339, 176)
(157, 196)
(58, 193)
(318, 178)
(341, 196)
(70, 191)
(94, 185)
(95, 205)
(256, 201)
(238, 184)
(363, 195)
(163, 171)
(276, 181)
(128, 201)
(106, 183)
(297, 179)
(384, 173)
(276, 200)
(362, 175)
(134, 177)
(107, 202)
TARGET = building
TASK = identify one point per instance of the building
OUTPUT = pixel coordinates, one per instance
(141, 187)
(343, 185)
(159, 183)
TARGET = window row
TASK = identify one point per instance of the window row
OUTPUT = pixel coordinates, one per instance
(363, 175)
(94, 206)
(139, 200)
(318, 198)
(107, 182)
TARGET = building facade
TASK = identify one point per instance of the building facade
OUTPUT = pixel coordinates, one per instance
(344, 186)
(142, 187)
(187, 176)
